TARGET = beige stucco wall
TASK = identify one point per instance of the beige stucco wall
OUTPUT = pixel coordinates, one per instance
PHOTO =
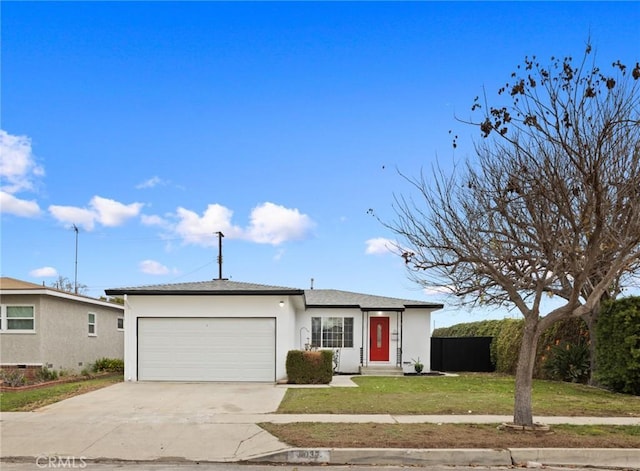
(61, 339)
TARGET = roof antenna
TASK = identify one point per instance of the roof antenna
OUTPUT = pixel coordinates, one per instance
(75, 279)
(311, 283)
(220, 236)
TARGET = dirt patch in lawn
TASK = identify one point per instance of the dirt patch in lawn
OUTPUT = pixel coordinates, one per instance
(372, 435)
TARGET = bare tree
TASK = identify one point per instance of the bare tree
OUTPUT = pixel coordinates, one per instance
(63, 283)
(549, 207)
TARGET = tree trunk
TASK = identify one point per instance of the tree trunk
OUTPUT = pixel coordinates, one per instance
(591, 320)
(523, 411)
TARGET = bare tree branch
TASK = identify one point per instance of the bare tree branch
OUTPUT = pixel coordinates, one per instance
(549, 206)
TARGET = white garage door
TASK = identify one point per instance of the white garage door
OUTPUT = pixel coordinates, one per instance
(206, 349)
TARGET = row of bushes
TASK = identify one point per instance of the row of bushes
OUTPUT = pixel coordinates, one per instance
(563, 349)
(15, 377)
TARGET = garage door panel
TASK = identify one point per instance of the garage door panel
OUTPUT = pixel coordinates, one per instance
(206, 349)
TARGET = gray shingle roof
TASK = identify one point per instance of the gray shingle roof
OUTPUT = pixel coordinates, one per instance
(206, 288)
(337, 298)
(313, 297)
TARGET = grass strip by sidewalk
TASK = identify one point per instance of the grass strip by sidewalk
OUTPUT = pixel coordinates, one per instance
(12, 401)
(469, 393)
(372, 435)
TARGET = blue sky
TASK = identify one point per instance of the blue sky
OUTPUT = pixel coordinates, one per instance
(152, 125)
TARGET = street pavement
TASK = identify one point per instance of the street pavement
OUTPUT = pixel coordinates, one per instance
(217, 422)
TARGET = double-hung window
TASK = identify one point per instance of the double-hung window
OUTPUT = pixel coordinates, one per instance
(17, 319)
(92, 324)
(332, 332)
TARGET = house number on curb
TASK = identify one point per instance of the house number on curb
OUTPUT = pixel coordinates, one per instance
(309, 456)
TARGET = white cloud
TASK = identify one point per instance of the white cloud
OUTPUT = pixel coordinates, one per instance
(274, 224)
(82, 217)
(269, 224)
(17, 166)
(111, 213)
(200, 230)
(151, 267)
(44, 272)
(380, 246)
(9, 204)
(104, 211)
(153, 220)
(150, 183)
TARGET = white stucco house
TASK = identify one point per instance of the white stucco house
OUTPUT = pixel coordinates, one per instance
(224, 330)
(42, 326)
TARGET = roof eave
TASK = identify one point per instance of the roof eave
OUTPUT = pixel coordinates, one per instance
(160, 292)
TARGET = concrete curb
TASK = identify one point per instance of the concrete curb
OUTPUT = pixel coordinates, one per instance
(627, 458)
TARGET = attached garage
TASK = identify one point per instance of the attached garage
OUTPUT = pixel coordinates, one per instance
(206, 349)
(223, 330)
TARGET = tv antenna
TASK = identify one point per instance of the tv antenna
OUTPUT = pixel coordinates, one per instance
(75, 279)
(220, 236)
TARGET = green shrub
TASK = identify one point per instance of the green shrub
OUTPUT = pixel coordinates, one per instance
(573, 331)
(310, 367)
(111, 365)
(569, 362)
(618, 345)
(12, 378)
(45, 374)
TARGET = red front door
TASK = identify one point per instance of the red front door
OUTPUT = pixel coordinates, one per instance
(379, 339)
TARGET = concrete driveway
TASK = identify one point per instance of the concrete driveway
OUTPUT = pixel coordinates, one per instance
(149, 421)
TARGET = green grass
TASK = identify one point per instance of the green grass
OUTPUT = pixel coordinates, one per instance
(35, 398)
(465, 394)
(370, 435)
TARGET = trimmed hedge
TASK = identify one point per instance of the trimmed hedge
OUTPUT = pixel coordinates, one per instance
(507, 336)
(310, 367)
(618, 346)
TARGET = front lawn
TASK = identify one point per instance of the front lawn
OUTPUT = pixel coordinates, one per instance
(331, 435)
(13, 401)
(465, 394)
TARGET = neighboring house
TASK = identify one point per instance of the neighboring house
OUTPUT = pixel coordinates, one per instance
(224, 330)
(42, 326)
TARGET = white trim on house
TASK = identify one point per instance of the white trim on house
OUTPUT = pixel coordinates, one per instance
(58, 294)
(93, 324)
(4, 319)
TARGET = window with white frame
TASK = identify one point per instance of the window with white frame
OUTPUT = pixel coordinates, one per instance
(120, 323)
(17, 319)
(92, 324)
(332, 332)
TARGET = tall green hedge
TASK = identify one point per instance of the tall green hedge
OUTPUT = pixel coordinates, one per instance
(507, 336)
(310, 367)
(618, 346)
